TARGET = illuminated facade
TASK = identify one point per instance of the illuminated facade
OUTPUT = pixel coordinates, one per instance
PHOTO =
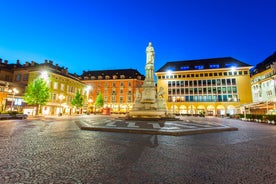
(117, 87)
(62, 84)
(10, 92)
(263, 84)
(215, 86)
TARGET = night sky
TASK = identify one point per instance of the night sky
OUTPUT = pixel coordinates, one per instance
(113, 34)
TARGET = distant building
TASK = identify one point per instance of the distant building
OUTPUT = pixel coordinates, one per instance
(215, 86)
(118, 87)
(63, 85)
(263, 84)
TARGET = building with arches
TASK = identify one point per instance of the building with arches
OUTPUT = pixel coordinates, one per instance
(216, 86)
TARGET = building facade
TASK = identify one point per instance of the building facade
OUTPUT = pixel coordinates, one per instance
(118, 87)
(63, 86)
(215, 86)
(263, 84)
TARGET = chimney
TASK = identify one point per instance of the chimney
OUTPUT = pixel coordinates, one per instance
(46, 61)
(33, 63)
(18, 62)
(6, 61)
(51, 62)
(66, 71)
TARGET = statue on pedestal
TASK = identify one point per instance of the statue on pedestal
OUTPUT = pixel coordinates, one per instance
(149, 103)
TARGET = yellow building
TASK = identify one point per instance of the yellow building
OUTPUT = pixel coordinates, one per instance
(63, 85)
(215, 86)
(118, 87)
(263, 84)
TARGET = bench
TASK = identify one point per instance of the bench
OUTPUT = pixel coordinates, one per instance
(5, 116)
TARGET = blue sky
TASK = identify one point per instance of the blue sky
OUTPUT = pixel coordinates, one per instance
(113, 34)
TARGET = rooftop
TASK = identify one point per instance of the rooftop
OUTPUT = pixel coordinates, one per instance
(264, 65)
(201, 64)
(128, 73)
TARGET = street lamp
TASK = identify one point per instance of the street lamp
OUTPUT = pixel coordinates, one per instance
(13, 92)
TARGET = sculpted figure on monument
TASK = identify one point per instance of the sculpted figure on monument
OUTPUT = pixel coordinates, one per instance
(161, 93)
(137, 95)
(150, 54)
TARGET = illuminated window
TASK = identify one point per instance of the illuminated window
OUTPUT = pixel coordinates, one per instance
(184, 68)
(55, 85)
(62, 87)
(199, 67)
(214, 65)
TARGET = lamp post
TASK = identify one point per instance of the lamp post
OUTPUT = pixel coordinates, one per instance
(13, 92)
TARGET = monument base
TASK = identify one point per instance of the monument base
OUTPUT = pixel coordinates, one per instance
(147, 114)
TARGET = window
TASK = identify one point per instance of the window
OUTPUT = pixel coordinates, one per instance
(184, 68)
(228, 82)
(54, 97)
(25, 77)
(113, 98)
(121, 99)
(214, 65)
(55, 85)
(218, 81)
(213, 82)
(62, 87)
(199, 67)
(18, 77)
(129, 98)
(228, 65)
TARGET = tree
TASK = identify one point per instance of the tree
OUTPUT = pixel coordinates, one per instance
(77, 100)
(37, 93)
(99, 101)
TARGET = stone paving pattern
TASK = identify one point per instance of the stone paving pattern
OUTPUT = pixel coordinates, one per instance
(57, 151)
(177, 127)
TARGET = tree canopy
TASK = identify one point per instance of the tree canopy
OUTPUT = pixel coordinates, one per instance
(99, 101)
(37, 93)
(77, 100)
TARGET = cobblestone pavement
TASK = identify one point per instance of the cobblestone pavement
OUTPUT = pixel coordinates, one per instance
(57, 151)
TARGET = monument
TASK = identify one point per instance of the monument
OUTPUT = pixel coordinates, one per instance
(149, 103)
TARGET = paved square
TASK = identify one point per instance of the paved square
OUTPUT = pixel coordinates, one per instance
(56, 150)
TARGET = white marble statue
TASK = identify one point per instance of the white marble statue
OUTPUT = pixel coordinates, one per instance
(150, 54)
